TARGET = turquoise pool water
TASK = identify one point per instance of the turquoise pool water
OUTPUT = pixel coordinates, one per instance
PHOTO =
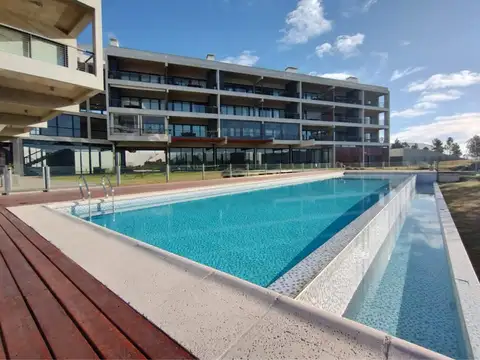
(256, 235)
(408, 290)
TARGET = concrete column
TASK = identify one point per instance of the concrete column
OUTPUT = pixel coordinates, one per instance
(17, 152)
(300, 104)
(334, 155)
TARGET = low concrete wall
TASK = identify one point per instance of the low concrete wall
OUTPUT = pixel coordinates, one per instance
(335, 286)
(465, 283)
(448, 177)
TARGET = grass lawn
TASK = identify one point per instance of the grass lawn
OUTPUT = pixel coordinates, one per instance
(463, 201)
(138, 179)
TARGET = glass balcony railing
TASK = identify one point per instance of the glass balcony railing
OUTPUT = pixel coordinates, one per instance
(145, 129)
(348, 119)
(348, 100)
(194, 134)
(347, 138)
(317, 137)
(22, 43)
(250, 89)
(157, 79)
(317, 96)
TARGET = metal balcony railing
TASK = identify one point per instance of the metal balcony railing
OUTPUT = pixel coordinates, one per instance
(33, 46)
(348, 100)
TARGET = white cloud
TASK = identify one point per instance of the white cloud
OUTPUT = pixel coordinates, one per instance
(441, 81)
(405, 43)
(426, 105)
(368, 4)
(415, 111)
(460, 126)
(398, 74)
(246, 58)
(305, 22)
(348, 44)
(441, 96)
(336, 76)
(325, 48)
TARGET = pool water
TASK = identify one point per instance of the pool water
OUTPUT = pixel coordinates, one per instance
(411, 295)
(256, 235)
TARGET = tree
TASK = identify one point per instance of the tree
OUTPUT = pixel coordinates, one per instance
(473, 146)
(448, 145)
(437, 145)
(414, 146)
(397, 144)
(405, 145)
(455, 150)
(426, 148)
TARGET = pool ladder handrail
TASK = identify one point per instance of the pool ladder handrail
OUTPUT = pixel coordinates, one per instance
(106, 181)
(82, 182)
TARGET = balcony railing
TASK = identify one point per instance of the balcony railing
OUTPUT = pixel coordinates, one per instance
(146, 129)
(157, 79)
(193, 134)
(23, 43)
(318, 137)
(250, 89)
(139, 103)
(348, 100)
(317, 96)
(348, 119)
(347, 138)
(259, 112)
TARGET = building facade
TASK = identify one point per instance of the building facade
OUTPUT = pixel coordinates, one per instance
(418, 156)
(43, 72)
(188, 111)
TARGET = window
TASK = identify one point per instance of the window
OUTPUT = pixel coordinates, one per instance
(13, 42)
(98, 128)
(153, 125)
(125, 124)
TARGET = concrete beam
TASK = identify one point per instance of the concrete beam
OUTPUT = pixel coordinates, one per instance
(18, 120)
(29, 98)
(13, 131)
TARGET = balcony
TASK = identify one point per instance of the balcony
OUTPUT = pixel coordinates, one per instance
(317, 137)
(257, 112)
(157, 79)
(348, 119)
(39, 75)
(348, 100)
(317, 96)
(347, 138)
(250, 89)
(159, 104)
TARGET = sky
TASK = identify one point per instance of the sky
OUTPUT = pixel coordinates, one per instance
(427, 52)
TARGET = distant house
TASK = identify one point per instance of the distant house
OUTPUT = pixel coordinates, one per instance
(418, 156)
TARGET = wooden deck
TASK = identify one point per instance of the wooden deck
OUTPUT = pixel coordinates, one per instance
(51, 308)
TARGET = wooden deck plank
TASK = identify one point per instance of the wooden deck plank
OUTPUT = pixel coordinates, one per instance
(153, 342)
(20, 334)
(56, 325)
(105, 336)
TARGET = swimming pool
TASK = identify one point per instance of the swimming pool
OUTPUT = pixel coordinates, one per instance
(257, 235)
(408, 291)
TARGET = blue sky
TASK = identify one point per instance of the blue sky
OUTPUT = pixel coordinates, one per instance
(426, 51)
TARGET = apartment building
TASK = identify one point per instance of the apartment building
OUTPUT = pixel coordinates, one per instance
(196, 111)
(206, 111)
(43, 72)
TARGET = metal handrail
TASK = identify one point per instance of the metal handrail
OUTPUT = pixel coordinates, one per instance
(106, 178)
(82, 181)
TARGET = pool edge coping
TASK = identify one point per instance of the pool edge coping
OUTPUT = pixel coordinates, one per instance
(336, 245)
(464, 280)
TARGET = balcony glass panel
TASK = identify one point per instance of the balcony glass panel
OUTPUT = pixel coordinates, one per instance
(13, 42)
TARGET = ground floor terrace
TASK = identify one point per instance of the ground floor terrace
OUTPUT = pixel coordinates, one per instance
(70, 158)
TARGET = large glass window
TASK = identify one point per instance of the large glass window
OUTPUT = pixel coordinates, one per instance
(13, 42)
(153, 125)
(125, 124)
(98, 128)
(241, 129)
(281, 131)
(188, 130)
(65, 125)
